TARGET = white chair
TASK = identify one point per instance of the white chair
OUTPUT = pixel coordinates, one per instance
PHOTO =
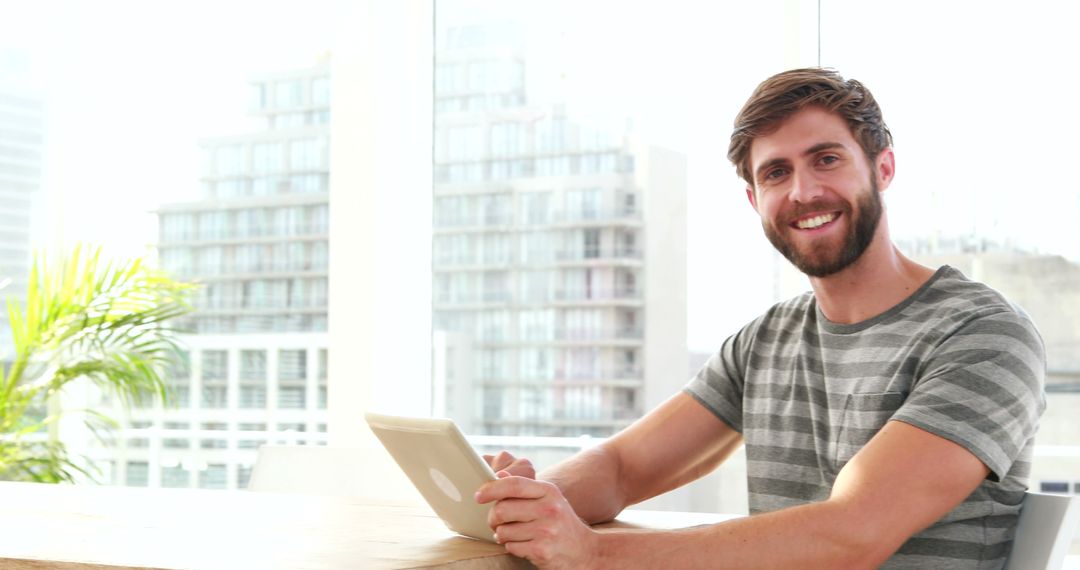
(337, 471)
(1045, 531)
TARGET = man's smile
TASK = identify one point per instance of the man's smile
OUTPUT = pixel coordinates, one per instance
(815, 221)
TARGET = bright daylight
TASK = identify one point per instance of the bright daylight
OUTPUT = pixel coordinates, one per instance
(516, 284)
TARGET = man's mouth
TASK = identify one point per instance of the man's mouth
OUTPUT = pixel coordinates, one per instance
(814, 222)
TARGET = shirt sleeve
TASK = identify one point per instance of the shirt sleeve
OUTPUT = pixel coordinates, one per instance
(719, 384)
(983, 388)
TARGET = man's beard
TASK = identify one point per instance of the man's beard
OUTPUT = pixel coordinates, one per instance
(820, 261)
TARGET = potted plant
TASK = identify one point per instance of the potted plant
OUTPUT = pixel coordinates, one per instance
(88, 320)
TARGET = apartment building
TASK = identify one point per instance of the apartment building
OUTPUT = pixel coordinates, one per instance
(559, 256)
(21, 140)
(257, 243)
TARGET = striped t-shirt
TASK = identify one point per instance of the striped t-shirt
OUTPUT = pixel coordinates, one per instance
(955, 359)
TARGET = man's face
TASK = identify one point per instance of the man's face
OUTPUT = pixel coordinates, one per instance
(817, 195)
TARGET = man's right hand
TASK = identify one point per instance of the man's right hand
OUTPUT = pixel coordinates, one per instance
(504, 461)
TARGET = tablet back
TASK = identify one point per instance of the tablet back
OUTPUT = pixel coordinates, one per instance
(443, 467)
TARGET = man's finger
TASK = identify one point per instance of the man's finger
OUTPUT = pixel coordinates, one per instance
(513, 511)
(512, 487)
(517, 532)
(503, 460)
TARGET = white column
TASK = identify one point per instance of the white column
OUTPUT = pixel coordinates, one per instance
(380, 214)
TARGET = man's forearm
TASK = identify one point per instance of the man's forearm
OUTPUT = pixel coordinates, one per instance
(590, 481)
(820, 535)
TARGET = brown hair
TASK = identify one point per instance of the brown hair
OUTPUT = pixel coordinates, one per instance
(786, 93)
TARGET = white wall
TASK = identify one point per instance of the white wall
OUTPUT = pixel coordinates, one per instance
(380, 224)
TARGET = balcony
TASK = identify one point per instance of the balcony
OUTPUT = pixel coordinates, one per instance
(613, 376)
(234, 232)
(458, 224)
(589, 217)
(619, 295)
(599, 255)
(277, 269)
(466, 300)
(471, 262)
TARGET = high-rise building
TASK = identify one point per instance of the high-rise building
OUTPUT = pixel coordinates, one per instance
(21, 140)
(559, 256)
(257, 243)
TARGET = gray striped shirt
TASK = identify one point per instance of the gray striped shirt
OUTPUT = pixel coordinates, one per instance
(955, 359)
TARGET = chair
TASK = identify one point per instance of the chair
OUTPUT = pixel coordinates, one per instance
(1045, 530)
(337, 471)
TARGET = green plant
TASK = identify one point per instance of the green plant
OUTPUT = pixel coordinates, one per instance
(83, 319)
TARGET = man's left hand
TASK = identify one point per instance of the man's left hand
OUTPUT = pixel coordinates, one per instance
(533, 520)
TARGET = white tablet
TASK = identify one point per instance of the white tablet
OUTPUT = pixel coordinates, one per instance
(444, 467)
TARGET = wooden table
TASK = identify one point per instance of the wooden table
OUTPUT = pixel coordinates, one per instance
(114, 528)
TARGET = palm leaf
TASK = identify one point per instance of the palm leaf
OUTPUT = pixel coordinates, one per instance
(84, 319)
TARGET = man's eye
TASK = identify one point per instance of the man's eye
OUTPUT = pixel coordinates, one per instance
(829, 159)
(775, 173)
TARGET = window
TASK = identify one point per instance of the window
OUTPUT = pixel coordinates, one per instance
(1059, 487)
(292, 376)
(215, 397)
(581, 119)
(214, 443)
(251, 429)
(252, 365)
(258, 96)
(322, 377)
(265, 157)
(175, 476)
(178, 440)
(535, 207)
(178, 381)
(213, 225)
(306, 154)
(137, 474)
(288, 94)
(292, 365)
(320, 91)
(213, 477)
(139, 442)
(243, 475)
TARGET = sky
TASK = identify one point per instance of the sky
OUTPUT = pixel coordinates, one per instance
(978, 96)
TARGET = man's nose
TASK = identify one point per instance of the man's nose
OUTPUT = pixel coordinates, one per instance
(805, 187)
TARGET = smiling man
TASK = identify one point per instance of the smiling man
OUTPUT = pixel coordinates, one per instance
(888, 416)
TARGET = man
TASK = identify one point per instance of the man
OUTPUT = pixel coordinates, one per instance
(888, 417)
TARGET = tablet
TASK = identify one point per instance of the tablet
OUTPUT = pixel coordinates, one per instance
(442, 465)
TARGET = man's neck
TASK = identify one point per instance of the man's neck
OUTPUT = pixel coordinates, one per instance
(881, 278)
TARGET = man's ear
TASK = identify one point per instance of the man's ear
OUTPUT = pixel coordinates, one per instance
(885, 168)
(751, 197)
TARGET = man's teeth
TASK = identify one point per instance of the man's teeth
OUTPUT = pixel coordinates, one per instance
(815, 222)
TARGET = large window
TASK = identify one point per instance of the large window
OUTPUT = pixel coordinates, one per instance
(587, 140)
(577, 157)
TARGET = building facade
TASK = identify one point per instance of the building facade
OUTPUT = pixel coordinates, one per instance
(257, 245)
(21, 144)
(559, 257)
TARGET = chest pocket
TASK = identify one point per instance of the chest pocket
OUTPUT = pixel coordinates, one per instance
(863, 415)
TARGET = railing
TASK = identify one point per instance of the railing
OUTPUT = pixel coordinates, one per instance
(559, 217)
(475, 259)
(598, 294)
(235, 231)
(598, 253)
(259, 303)
(586, 215)
(473, 298)
(235, 270)
(598, 333)
(559, 378)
